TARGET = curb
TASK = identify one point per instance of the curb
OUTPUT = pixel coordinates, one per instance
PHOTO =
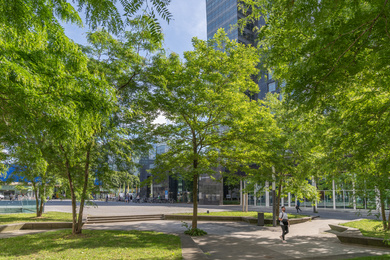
(190, 250)
(234, 218)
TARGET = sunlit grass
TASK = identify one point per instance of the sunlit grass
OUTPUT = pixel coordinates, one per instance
(368, 227)
(31, 217)
(372, 257)
(92, 244)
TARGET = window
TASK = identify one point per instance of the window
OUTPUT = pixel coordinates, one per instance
(270, 73)
(271, 87)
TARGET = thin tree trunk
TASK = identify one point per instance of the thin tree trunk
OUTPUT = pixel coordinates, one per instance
(72, 194)
(42, 195)
(36, 198)
(383, 213)
(83, 195)
(195, 202)
(278, 198)
(388, 222)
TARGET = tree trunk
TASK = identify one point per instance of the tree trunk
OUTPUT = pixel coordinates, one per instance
(36, 199)
(72, 193)
(383, 213)
(73, 197)
(195, 201)
(278, 198)
(83, 195)
(388, 222)
(42, 195)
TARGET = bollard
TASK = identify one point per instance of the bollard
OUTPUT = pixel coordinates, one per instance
(260, 219)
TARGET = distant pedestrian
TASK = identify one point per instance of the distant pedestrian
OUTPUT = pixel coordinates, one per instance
(297, 207)
(284, 223)
(107, 198)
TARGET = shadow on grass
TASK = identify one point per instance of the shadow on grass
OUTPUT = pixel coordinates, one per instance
(93, 244)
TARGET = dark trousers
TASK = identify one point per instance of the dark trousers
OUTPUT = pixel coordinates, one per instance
(284, 230)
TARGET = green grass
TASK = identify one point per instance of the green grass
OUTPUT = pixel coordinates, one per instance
(92, 244)
(368, 227)
(252, 214)
(31, 217)
(231, 202)
(372, 257)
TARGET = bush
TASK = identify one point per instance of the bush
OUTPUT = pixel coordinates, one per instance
(193, 231)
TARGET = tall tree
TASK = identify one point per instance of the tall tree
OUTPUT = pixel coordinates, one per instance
(204, 101)
(333, 56)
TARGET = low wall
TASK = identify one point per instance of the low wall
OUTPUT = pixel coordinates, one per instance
(205, 218)
(47, 225)
(233, 218)
(35, 225)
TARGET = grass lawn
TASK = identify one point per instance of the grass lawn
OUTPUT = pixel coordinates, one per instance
(31, 217)
(368, 227)
(252, 214)
(231, 202)
(92, 244)
(372, 257)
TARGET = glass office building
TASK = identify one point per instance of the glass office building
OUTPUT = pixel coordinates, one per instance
(225, 14)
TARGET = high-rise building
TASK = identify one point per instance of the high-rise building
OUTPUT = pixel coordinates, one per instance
(225, 14)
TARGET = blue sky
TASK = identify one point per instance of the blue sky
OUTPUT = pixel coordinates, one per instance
(189, 20)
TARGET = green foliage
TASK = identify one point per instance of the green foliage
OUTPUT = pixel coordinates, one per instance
(333, 57)
(93, 244)
(56, 101)
(38, 14)
(204, 100)
(323, 47)
(193, 231)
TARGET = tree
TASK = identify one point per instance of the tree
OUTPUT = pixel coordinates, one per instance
(39, 14)
(322, 47)
(280, 154)
(333, 57)
(46, 84)
(32, 168)
(204, 101)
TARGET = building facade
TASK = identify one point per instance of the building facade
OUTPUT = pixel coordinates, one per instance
(225, 14)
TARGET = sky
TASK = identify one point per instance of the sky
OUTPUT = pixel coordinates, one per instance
(189, 20)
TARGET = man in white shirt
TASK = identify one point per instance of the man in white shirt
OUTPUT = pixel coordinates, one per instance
(284, 223)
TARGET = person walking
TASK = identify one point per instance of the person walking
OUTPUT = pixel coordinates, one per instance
(284, 223)
(297, 207)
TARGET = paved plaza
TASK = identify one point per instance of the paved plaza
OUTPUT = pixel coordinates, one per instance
(234, 240)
